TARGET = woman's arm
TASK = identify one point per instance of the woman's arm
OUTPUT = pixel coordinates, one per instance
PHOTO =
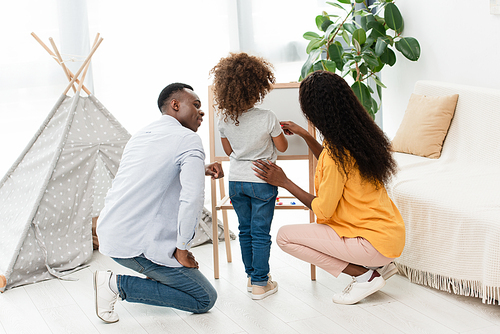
(291, 128)
(280, 142)
(274, 175)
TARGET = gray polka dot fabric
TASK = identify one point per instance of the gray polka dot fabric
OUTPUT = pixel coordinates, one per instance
(51, 193)
(203, 233)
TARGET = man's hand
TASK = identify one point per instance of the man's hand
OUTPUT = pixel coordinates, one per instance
(186, 258)
(214, 170)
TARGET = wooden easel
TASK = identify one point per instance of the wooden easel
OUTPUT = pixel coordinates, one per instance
(223, 203)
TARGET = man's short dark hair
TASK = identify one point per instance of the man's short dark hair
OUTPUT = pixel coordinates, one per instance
(167, 92)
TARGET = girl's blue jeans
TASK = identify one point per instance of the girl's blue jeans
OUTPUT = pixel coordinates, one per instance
(178, 287)
(254, 205)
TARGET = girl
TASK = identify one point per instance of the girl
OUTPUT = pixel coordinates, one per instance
(249, 133)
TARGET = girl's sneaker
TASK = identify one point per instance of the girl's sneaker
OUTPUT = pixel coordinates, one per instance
(260, 292)
(249, 283)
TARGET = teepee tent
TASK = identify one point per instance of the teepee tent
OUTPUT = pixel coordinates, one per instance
(51, 193)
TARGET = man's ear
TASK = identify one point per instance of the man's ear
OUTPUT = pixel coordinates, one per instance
(175, 104)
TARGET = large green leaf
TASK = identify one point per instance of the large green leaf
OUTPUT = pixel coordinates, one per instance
(378, 29)
(360, 36)
(318, 66)
(319, 21)
(335, 52)
(345, 36)
(324, 65)
(365, 20)
(370, 58)
(363, 69)
(379, 67)
(380, 46)
(330, 29)
(378, 82)
(337, 5)
(388, 57)
(326, 24)
(314, 44)
(349, 27)
(409, 47)
(393, 17)
(311, 35)
(357, 48)
(363, 94)
(313, 55)
(329, 65)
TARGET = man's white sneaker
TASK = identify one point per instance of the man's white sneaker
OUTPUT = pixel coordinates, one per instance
(388, 270)
(356, 291)
(105, 298)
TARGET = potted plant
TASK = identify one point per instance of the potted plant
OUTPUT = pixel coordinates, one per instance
(359, 43)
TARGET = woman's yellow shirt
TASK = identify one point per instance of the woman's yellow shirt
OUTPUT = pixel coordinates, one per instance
(356, 208)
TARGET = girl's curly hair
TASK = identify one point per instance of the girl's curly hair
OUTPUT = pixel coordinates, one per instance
(351, 136)
(240, 81)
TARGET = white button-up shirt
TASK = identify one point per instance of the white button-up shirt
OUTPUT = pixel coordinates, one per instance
(157, 195)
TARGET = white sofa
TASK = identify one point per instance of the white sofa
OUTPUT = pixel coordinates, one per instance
(451, 205)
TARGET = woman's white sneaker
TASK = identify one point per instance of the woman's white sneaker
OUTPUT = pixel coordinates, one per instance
(356, 291)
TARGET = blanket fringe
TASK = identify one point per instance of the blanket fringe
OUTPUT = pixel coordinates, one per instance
(488, 294)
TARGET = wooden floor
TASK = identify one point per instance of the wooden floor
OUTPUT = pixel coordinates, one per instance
(300, 305)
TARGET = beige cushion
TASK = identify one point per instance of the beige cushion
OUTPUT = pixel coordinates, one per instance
(425, 125)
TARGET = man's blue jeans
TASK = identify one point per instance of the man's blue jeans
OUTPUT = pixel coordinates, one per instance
(254, 206)
(178, 287)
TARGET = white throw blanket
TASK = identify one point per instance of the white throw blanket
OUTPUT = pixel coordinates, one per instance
(451, 205)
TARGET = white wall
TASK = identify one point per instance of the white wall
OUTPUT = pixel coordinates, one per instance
(460, 43)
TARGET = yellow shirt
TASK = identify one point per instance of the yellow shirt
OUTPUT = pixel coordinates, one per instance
(354, 208)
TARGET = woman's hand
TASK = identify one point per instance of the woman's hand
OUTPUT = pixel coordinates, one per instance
(270, 172)
(290, 128)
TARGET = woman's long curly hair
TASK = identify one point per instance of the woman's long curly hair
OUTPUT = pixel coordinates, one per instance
(351, 136)
(240, 81)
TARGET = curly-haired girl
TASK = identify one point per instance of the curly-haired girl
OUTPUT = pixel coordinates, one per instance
(359, 230)
(249, 133)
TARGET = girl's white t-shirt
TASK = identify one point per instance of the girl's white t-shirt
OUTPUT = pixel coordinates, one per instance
(251, 139)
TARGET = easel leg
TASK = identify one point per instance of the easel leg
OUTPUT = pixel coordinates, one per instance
(227, 238)
(215, 232)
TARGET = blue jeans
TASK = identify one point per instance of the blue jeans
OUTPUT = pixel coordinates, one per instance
(178, 287)
(254, 206)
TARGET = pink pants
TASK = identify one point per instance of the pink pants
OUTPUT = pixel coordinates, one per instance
(320, 245)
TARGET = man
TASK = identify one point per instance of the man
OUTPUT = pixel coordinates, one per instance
(151, 212)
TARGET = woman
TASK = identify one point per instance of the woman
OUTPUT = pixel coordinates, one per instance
(359, 229)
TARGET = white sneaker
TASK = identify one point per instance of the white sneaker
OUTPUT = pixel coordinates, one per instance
(356, 291)
(261, 292)
(388, 270)
(105, 298)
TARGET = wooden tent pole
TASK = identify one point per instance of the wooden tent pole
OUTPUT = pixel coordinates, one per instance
(55, 58)
(56, 51)
(83, 77)
(83, 65)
